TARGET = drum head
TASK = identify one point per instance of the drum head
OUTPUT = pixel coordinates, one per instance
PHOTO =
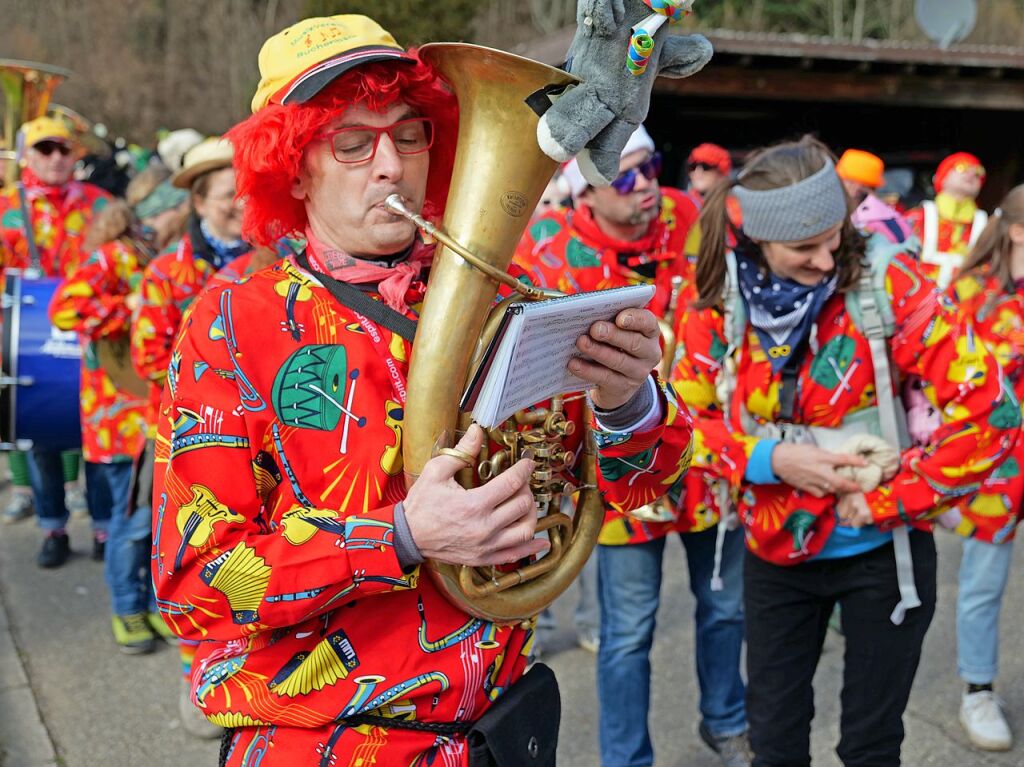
(40, 398)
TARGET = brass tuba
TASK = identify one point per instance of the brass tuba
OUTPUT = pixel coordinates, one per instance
(27, 88)
(499, 176)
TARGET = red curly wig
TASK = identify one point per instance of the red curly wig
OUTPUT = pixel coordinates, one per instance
(270, 144)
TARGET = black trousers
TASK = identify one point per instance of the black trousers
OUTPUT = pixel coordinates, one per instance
(787, 613)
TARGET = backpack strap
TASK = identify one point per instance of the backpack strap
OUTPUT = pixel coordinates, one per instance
(30, 236)
(880, 253)
(891, 415)
(735, 316)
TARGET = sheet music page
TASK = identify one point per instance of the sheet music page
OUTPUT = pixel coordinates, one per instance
(536, 368)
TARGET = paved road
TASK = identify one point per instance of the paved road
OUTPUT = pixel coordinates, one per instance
(68, 698)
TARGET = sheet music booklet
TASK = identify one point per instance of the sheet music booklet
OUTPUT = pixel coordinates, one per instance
(525, 363)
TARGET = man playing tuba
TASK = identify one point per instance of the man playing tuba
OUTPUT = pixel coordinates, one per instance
(285, 537)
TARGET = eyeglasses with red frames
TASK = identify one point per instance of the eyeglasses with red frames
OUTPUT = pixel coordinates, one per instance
(359, 143)
(649, 169)
(46, 148)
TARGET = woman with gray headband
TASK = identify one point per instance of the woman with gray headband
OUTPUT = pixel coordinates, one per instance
(791, 361)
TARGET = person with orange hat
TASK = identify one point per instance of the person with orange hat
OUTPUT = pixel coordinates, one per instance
(43, 221)
(285, 537)
(949, 225)
(863, 174)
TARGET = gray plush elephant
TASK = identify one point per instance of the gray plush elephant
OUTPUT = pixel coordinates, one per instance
(594, 120)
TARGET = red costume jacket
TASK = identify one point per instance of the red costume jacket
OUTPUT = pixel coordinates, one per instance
(566, 250)
(93, 303)
(60, 215)
(278, 466)
(170, 283)
(955, 232)
(932, 340)
(993, 514)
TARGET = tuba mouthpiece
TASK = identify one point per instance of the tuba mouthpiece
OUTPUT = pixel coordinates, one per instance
(396, 204)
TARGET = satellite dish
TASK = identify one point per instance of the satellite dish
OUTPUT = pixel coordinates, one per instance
(946, 21)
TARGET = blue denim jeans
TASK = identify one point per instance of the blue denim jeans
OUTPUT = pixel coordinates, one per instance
(46, 475)
(984, 571)
(126, 567)
(587, 615)
(629, 586)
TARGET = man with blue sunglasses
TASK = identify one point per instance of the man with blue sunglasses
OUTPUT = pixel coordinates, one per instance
(636, 231)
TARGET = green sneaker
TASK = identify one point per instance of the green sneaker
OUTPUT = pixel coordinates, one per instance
(161, 629)
(133, 634)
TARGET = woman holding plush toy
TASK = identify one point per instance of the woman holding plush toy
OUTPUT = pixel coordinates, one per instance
(798, 338)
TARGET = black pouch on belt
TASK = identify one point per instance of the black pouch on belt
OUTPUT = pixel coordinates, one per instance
(521, 729)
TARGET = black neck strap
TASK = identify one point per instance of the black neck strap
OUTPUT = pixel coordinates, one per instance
(790, 380)
(376, 311)
(30, 235)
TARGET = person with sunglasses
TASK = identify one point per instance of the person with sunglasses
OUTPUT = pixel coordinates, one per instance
(43, 222)
(637, 231)
(707, 165)
(285, 537)
(949, 226)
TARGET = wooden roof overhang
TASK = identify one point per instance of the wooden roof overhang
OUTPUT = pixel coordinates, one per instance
(816, 69)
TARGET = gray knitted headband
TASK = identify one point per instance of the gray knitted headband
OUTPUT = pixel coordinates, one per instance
(795, 212)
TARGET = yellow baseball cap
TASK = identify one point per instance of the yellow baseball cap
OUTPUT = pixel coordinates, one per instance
(861, 167)
(45, 129)
(299, 62)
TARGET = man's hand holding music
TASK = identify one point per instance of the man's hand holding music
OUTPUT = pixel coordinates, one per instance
(489, 525)
(620, 356)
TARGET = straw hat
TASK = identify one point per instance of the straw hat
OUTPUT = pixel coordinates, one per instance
(212, 154)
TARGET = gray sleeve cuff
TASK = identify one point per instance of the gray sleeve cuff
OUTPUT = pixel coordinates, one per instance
(636, 411)
(405, 547)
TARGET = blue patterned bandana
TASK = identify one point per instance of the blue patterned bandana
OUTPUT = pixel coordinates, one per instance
(224, 251)
(782, 311)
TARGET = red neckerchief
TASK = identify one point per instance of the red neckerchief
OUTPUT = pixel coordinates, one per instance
(393, 283)
(648, 249)
(59, 196)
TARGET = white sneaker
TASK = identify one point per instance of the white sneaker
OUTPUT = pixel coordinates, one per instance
(981, 714)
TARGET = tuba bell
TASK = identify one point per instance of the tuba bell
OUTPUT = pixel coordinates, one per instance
(26, 88)
(499, 176)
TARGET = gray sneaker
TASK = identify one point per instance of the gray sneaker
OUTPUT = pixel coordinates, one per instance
(192, 718)
(19, 507)
(733, 750)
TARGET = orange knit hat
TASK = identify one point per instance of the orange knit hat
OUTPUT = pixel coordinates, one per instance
(861, 167)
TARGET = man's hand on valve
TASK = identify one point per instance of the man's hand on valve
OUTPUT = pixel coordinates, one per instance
(493, 524)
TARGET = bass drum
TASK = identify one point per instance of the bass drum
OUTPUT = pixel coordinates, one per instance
(39, 370)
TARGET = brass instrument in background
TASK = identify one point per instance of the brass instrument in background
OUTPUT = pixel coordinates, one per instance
(26, 88)
(500, 174)
(667, 326)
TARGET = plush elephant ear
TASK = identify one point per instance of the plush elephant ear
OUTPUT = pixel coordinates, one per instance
(606, 16)
(684, 55)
